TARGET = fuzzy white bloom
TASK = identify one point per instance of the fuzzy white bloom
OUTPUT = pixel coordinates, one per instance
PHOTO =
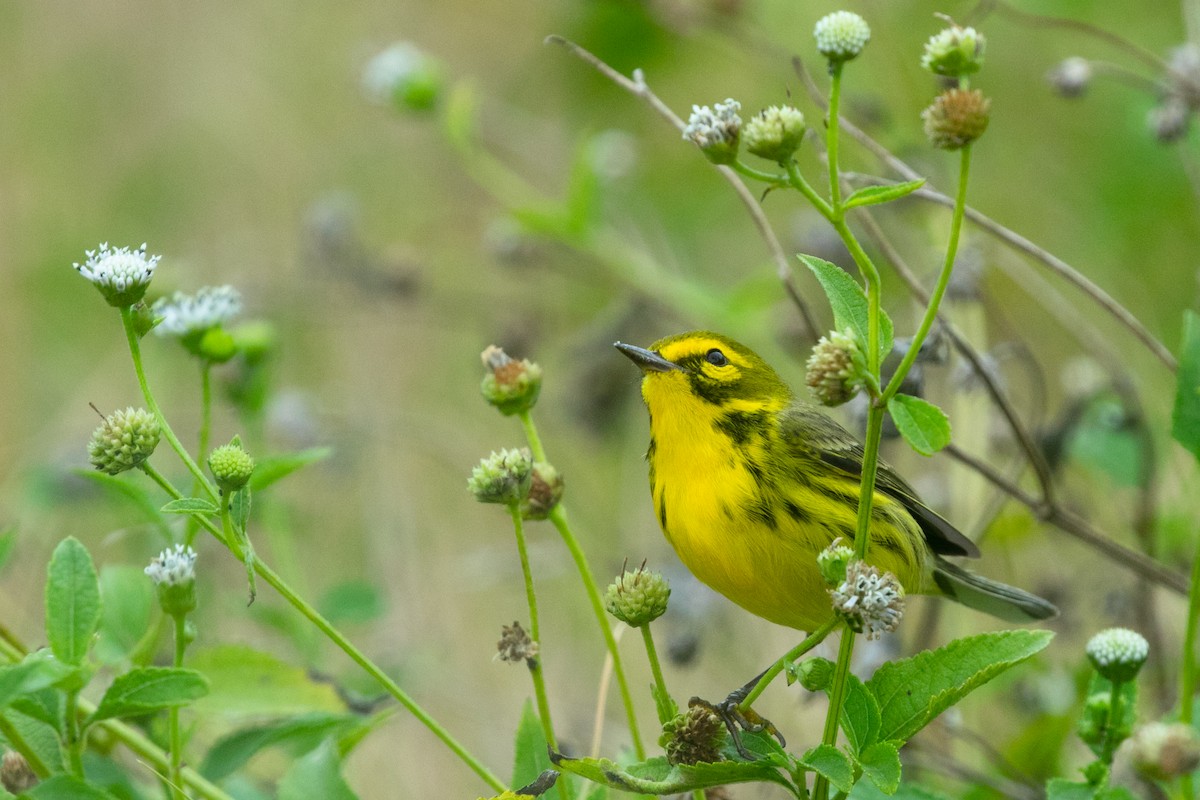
(173, 566)
(121, 274)
(1118, 653)
(872, 602)
(841, 35)
(184, 314)
(715, 130)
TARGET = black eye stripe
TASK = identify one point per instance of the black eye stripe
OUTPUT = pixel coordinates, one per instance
(716, 358)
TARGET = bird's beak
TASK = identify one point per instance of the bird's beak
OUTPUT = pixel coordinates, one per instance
(648, 360)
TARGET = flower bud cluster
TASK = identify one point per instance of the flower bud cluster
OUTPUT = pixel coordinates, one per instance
(956, 118)
(716, 131)
(124, 440)
(510, 385)
(502, 477)
(231, 466)
(121, 274)
(871, 601)
(1118, 653)
(515, 644)
(638, 597)
(693, 737)
(174, 574)
(841, 36)
(954, 52)
(774, 133)
(545, 492)
(835, 368)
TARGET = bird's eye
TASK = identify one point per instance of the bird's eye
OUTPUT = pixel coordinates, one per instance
(716, 358)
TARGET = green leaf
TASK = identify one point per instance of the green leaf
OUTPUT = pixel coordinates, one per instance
(35, 672)
(190, 505)
(72, 601)
(1062, 789)
(849, 303)
(530, 756)
(45, 705)
(270, 469)
(1185, 418)
(135, 493)
(1107, 440)
(874, 195)
(656, 776)
(126, 614)
(354, 601)
(295, 735)
(881, 763)
(827, 760)
(318, 774)
(147, 689)
(664, 705)
(248, 683)
(912, 691)
(866, 790)
(239, 508)
(582, 189)
(923, 425)
(8, 538)
(66, 787)
(860, 716)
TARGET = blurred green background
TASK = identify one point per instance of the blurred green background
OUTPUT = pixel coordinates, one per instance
(235, 139)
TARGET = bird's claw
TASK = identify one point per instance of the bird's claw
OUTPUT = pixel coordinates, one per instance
(738, 719)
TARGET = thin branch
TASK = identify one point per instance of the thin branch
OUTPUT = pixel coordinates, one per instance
(1076, 526)
(1009, 237)
(637, 86)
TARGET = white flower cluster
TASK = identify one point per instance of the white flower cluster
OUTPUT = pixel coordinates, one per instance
(841, 35)
(1117, 647)
(121, 274)
(872, 602)
(183, 314)
(392, 68)
(716, 126)
(173, 566)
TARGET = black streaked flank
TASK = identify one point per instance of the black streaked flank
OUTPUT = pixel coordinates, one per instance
(797, 513)
(662, 512)
(740, 426)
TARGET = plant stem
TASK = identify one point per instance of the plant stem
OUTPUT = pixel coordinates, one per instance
(174, 777)
(558, 516)
(796, 181)
(1187, 680)
(535, 663)
(814, 639)
(1114, 720)
(231, 533)
(135, 351)
(205, 435)
(74, 753)
(656, 670)
(347, 647)
(773, 178)
(943, 281)
(831, 137)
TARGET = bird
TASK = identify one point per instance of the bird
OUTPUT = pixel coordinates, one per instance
(750, 483)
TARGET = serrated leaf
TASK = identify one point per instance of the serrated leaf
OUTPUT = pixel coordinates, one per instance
(530, 755)
(827, 760)
(72, 601)
(318, 774)
(66, 787)
(656, 776)
(295, 735)
(1062, 789)
(923, 425)
(1185, 417)
(912, 691)
(190, 505)
(860, 716)
(44, 706)
(35, 672)
(147, 689)
(269, 469)
(881, 763)
(126, 614)
(849, 303)
(245, 682)
(866, 790)
(874, 195)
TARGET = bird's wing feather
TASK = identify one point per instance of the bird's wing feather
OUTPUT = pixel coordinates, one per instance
(806, 428)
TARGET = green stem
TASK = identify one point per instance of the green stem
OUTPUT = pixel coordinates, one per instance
(1114, 720)
(796, 181)
(135, 351)
(205, 435)
(231, 534)
(814, 639)
(831, 138)
(558, 516)
(1187, 680)
(656, 671)
(174, 776)
(960, 205)
(74, 737)
(773, 178)
(347, 647)
(535, 664)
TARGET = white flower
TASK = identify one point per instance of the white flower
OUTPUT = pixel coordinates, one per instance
(120, 274)
(841, 35)
(173, 566)
(1118, 653)
(402, 74)
(184, 314)
(715, 130)
(871, 601)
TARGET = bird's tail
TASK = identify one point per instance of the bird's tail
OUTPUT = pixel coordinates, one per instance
(991, 597)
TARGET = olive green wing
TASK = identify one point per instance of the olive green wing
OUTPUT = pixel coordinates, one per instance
(807, 429)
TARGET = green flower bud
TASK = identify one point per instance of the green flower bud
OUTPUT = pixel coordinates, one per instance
(231, 466)
(510, 385)
(1163, 751)
(835, 368)
(122, 275)
(404, 77)
(716, 131)
(217, 346)
(956, 118)
(637, 598)
(503, 477)
(833, 561)
(841, 36)
(545, 492)
(954, 52)
(774, 133)
(694, 737)
(124, 440)
(174, 574)
(1118, 653)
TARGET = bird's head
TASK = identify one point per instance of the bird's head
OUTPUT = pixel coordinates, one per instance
(707, 368)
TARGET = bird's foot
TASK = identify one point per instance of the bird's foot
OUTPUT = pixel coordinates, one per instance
(738, 719)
